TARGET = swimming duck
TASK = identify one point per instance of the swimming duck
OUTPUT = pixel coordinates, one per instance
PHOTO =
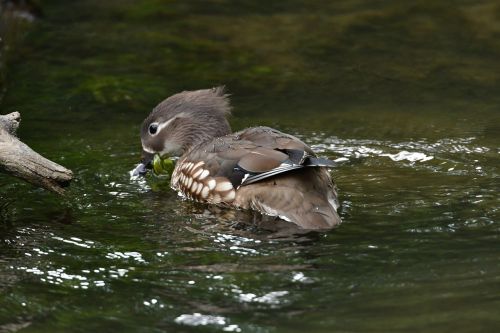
(258, 168)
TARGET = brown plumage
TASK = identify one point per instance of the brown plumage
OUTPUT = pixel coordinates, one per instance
(257, 168)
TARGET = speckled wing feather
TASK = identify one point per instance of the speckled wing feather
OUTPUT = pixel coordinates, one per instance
(254, 154)
(213, 171)
(264, 170)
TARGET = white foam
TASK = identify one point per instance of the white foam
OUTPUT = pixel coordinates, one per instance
(409, 156)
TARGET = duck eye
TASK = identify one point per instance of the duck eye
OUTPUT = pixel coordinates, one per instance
(153, 128)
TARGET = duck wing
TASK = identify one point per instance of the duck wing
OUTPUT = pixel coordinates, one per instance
(255, 154)
(265, 170)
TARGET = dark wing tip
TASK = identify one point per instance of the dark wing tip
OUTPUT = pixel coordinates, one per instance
(319, 162)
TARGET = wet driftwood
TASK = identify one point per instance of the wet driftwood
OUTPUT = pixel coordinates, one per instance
(21, 161)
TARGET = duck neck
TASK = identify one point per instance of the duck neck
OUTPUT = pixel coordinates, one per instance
(204, 132)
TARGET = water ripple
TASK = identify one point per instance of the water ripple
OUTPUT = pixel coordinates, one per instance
(198, 319)
(447, 155)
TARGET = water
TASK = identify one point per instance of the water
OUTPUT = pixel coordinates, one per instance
(405, 95)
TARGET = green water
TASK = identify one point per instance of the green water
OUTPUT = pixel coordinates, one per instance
(406, 92)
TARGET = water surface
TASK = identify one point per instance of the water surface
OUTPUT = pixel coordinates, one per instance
(405, 94)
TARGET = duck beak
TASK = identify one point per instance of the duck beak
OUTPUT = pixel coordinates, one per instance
(142, 168)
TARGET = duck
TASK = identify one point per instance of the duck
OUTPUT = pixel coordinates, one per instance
(258, 168)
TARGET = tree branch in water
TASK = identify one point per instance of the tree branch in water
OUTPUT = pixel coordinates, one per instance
(23, 162)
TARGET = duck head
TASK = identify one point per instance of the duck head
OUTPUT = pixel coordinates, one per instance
(181, 122)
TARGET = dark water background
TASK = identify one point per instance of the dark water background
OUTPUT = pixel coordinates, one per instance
(407, 92)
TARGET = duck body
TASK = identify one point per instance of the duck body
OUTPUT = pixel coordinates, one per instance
(258, 168)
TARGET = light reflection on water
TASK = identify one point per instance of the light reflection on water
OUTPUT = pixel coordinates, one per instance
(198, 319)
(75, 241)
(84, 279)
(199, 267)
(448, 153)
(271, 298)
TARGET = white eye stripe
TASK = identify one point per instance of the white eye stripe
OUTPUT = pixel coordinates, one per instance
(161, 126)
(165, 124)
